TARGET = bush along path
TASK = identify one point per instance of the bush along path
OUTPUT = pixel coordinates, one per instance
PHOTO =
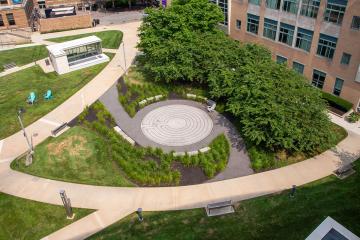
(91, 150)
(238, 164)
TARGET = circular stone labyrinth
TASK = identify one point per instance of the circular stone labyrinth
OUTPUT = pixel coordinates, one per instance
(176, 125)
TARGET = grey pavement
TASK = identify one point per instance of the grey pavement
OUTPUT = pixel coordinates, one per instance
(239, 162)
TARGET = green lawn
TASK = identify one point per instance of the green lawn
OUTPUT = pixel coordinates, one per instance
(22, 56)
(272, 217)
(31, 220)
(16, 87)
(110, 39)
(79, 155)
(93, 153)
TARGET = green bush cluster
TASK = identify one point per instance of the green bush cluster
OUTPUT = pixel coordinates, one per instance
(138, 92)
(211, 162)
(353, 117)
(337, 102)
(151, 166)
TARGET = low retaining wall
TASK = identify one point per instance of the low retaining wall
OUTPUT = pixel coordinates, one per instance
(65, 23)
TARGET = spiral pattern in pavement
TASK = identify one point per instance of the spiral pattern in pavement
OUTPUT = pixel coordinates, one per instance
(176, 125)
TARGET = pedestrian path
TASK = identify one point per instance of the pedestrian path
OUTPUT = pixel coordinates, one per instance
(239, 162)
(114, 203)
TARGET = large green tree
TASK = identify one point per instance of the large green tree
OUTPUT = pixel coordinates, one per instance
(275, 107)
(171, 39)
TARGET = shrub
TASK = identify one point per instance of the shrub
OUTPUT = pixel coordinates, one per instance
(337, 102)
(353, 117)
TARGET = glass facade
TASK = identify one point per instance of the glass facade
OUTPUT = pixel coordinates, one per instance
(290, 6)
(326, 46)
(338, 86)
(252, 23)
(270, 27)
(286, 33)
(318, 79)
(298, 67)
(335, 10)
(78, 53)
(310, 8)
(274, 4)
(304, 39)
(223, 4)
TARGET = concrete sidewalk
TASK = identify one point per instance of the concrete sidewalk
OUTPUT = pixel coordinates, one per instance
(116, 202)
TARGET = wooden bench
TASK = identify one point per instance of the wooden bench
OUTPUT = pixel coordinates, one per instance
(58, 129)
(123, 135)
(344, 171)
(219, 208)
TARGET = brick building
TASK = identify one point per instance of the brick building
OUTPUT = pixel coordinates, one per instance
(318, 38)
(15, 13)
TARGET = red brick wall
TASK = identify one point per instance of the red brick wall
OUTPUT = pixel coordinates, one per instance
(65, 23)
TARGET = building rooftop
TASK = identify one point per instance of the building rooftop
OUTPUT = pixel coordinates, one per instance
(58, 49)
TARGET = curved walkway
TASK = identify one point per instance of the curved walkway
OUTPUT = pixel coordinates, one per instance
(239, 162)
(114, 202)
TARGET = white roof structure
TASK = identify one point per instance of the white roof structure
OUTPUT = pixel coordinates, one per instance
(57, 50)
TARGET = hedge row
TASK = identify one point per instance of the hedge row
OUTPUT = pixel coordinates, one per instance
(337, 102)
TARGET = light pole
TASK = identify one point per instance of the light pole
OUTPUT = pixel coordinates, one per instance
(29, 156)
(124, 57)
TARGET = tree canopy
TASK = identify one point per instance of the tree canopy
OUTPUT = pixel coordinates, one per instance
(276, 107)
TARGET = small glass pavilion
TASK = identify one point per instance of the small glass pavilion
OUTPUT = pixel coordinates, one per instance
(76, 54)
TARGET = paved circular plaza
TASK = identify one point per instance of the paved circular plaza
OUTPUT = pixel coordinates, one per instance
(176, 125)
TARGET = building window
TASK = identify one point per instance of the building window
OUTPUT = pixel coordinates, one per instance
(3, 2)
(281, 59)
(238, 24)
(256, 2)
(355, 24)
(78, 53)
(270, 27)
(335, 10)
(310, 8)
(1, 21)
(41, 4)
(303, 39)
(290, 6)
(223, 4)
(274, 4)
(298, 67)
(338, 86)
(286, 33)
(326, 46)
(252, 23)
(318, 79)
(10, 18)
(345, 59)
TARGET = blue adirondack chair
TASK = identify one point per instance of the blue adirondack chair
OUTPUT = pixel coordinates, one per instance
(31, 98)
(48, 95)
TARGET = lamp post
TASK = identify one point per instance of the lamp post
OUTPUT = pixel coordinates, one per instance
(124, 57)
(67, 205)
(29, 156)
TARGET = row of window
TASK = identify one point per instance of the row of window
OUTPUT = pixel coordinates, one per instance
(334, 12)
(10, 19)
(223, 4)
(318, 78)
(303, 39)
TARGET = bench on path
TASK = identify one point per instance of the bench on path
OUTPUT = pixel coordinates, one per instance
(344, 171)
(126, 137)
(59, 129)
(219, 208)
